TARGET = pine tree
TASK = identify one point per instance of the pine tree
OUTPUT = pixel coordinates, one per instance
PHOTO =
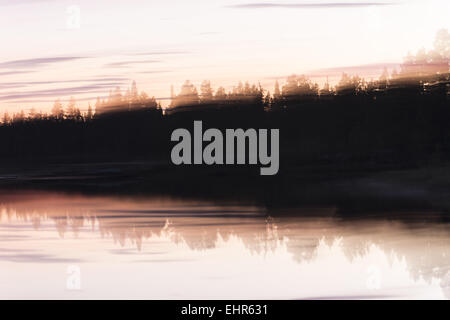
(277, 92)
(89, 114)
(98, 106)
(57, 110)
(221, 95)
(206, 92)
(72, 109)
(6, 120)
(134, 95)
(32, 114)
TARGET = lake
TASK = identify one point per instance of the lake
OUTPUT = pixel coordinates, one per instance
(56, 245)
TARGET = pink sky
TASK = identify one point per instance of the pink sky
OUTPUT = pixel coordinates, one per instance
(57, 49)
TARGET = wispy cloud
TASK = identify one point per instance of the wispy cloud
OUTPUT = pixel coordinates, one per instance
(30, 63)
(156, 52)
(154, 71)
(358, 69)
(50, 100)
(94, 88)
(99, 94)
(29, 83)
(127, 64)
(262, 5)
(25, 83)
(9, 73)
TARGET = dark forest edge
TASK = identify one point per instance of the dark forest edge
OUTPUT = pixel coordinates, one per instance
(332, 139)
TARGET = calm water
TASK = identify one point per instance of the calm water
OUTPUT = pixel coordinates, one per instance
(70, 246)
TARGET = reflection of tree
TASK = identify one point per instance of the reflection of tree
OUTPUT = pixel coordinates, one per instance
(425, 246)
(445, 285)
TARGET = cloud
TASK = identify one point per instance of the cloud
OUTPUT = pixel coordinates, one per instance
(126, 64)
(149, 53)
(154, 72)
(8, 73)
(20, 84)
(30, 63)
(100, 95)
(95, 88)
(16, 250)
(358, 69)
(262, 5)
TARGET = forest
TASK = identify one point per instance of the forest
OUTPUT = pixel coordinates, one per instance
(398, 121)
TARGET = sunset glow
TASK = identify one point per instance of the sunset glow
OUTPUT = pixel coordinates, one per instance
(58, 49)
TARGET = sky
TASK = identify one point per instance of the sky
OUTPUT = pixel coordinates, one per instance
(61, 48)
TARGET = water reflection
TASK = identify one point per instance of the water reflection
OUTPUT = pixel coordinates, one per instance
(168, 248)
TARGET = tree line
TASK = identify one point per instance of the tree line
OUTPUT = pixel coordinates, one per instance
(402, 117)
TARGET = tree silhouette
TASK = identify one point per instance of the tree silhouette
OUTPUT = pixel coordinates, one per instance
(57, 110)
(188, 95)
(90, 114)
(206, 92)
(6, 120)
(398, 120)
